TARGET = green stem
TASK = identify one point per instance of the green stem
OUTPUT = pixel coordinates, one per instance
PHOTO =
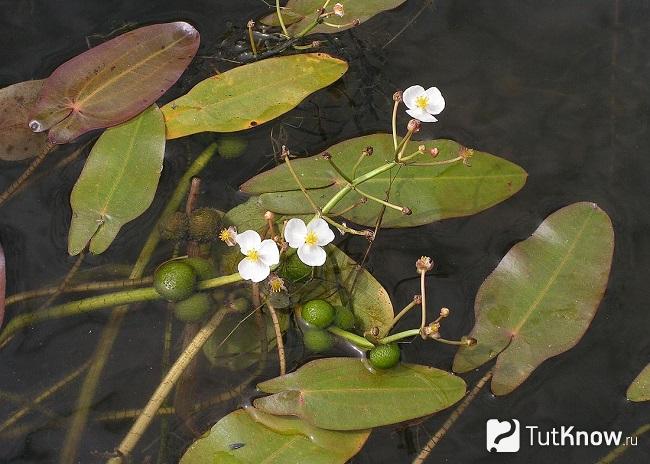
(106, 300)
(394, 120)
(405, 310)
(278, 11)
(353, 338)
(400, 336)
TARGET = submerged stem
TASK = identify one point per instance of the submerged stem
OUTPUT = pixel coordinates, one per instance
(15, 185)
(451, 420)
(105, 345)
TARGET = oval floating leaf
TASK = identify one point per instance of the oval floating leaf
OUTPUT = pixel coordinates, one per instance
(250, 95)
(542, 296)
(17, 140)
(114, 81)
(431, 192)
(118, 182)
(300, 13)
(258, 438)
(639, 389)
(343, 394)
(3, 284)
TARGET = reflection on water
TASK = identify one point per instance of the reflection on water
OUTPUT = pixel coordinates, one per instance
(558, 88)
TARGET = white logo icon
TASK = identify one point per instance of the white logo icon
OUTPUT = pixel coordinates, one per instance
(502, 436)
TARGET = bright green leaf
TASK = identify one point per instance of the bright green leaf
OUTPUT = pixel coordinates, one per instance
(300, 13)
(118, 182)
(343, 394)
(431, 192)
(542, 296)
(250, 95)
(258, 438)
(639, 389)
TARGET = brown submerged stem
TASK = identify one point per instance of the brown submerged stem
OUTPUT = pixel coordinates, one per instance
(15, 185)
(451, 420)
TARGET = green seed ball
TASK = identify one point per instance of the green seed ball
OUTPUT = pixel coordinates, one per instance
(203, 267)
(175, 226)
(317, 340)
(204, 224)
(295, 270)
(318, 313)
(344, 318)
(231, 146)
(384, 356)
(194, 308)
(175, 280)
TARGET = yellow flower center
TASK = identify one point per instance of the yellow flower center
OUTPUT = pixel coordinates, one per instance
(225, 235)
(311, 238)
(422, 101)
(253, 255)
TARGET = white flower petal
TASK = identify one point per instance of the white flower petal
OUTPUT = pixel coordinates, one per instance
(312, 255)
(322, 230)
(248, 240)
(411, 94)
(436, 101)
(254, 270)
(269, 253)
(421, 115)
(295, 232)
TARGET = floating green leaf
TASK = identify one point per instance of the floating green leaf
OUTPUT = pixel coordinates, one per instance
(300, 13)
(343, 394)
(118, 182)
(542, 296)
(250, 95)
(258, 438)
(639, 389)
(114, 81)
(431, 192)
(17, 141)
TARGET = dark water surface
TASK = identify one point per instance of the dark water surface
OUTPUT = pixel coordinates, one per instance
(558, 87)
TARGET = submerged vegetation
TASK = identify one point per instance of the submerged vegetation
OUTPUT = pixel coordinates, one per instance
(245, 280)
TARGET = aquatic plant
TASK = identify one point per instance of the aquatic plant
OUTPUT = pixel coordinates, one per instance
(536, 304)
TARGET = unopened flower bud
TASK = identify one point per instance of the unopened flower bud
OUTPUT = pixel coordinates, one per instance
(417, 299)
(406, 211)
(368, 151)
(397, 96)
(468, 341)
(356, 22)
(269, 216)
(424, 264)
(327, 155)
(414, 125)
(434, 152)
(285, 152)
(338, 10)
(444, 312)
(422, 148)
(251, 24)
(315, 44)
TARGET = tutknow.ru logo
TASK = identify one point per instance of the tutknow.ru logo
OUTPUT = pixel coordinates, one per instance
(505, 436)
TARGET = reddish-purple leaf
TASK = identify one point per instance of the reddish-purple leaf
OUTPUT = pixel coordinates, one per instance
(3, 284)
(17, 141)
(114, 81)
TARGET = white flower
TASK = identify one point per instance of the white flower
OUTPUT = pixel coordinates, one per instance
(423, 104)
(309, 239)
(338, 10)
(260, 256)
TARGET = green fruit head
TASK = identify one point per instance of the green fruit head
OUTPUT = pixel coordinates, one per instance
(203, 267)
(175, 226)
(318, 313)
(175, 280)
(344, 318)
(204, 224)
(194, 308)
(384, 356)
(295, 270)
(317, 340)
